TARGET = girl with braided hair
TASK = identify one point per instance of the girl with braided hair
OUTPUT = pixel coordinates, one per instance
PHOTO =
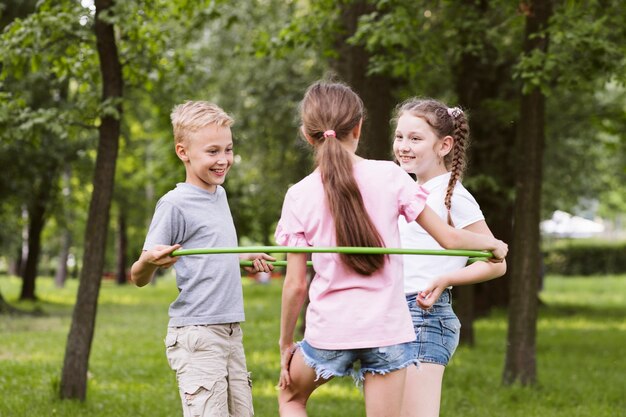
(357, 312)
(430, 142)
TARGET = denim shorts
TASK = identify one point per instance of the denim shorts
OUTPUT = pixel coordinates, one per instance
(379, 360)
(437, 329)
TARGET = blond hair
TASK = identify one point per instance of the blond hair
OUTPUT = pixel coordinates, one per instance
(194, 115)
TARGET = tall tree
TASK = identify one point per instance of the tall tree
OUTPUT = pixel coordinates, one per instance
(482, 76)
(331, 29)
(520, 356)
(8, 12)
(121, 247)
(352, 64)
(32, 147)
(36, 220)
(74, 375)
(463, 55)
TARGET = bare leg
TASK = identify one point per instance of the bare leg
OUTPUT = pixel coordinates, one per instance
(422, 392)
(383, 393)
(292, 400)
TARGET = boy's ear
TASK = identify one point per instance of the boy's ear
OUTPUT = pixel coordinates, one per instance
(181, 152)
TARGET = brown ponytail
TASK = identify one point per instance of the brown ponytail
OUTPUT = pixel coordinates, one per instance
(444, 121)
(334, 106)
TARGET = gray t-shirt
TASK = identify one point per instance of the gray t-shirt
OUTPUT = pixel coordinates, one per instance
(209, 285)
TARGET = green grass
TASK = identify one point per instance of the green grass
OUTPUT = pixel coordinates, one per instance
(580, 347)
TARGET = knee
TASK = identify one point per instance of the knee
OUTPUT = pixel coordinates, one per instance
(289, 399)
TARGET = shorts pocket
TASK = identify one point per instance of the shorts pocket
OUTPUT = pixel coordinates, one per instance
(173, 350)
(170, 339)
(451, 332)
(210, 397)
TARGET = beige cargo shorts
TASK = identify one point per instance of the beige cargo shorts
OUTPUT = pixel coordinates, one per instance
(211, 370)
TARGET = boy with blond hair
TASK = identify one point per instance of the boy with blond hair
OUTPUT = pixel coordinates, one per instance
(204, 340)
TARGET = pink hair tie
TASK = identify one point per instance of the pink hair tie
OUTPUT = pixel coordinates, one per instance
(330, 133)
(454, 112)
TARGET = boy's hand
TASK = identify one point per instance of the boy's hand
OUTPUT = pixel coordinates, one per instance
(258, 260)
(159, 255)
(150, 260)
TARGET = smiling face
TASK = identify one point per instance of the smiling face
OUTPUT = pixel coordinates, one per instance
(208, 155)
(418, 149)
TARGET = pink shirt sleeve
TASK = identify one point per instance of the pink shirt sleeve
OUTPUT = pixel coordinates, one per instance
(412, 199)
(290, 231)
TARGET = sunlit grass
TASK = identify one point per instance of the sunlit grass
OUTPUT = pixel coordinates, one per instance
(580, 346)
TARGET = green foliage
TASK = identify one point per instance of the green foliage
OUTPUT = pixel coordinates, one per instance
(311, 26)
(261, 91)
(129, 374)
(572, 257)
(46, 74)
(586, 160)
(434, 37)
(255, 58)
(584, 42)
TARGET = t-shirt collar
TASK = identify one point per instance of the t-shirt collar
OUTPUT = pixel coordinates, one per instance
(434, 182)
(197, 189)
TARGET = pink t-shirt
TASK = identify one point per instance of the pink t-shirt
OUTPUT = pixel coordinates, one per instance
(348, 310)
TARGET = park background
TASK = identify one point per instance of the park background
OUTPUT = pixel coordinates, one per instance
(86, 89)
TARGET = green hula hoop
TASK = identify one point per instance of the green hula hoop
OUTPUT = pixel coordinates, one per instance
(472, 254)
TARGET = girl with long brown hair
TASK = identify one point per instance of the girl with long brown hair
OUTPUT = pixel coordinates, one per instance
(357, 310)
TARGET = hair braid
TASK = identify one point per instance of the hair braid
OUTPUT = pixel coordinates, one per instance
(459, 162)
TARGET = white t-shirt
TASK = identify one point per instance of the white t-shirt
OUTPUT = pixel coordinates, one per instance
(420, 270)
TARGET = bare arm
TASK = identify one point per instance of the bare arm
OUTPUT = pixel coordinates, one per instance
(451, 238)
(143, 269)
(294, 294)
(471, 274)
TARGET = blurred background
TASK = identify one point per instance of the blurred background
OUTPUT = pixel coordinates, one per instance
(86, 147)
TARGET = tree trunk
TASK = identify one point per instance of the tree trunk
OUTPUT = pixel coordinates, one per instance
(376, 91)
(36, 223)
(66, 236)
(15, 264)
(481, 78)
(61, 273)
(24, 251)
(122, 248)
(520, 362)
(74, 375)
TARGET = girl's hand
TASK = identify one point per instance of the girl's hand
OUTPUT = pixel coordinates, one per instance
(258, 260)
(500, 251)
(426, 298)
(286, 354)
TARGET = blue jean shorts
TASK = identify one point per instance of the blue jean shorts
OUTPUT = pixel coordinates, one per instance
(437, 329)
(379, 360)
